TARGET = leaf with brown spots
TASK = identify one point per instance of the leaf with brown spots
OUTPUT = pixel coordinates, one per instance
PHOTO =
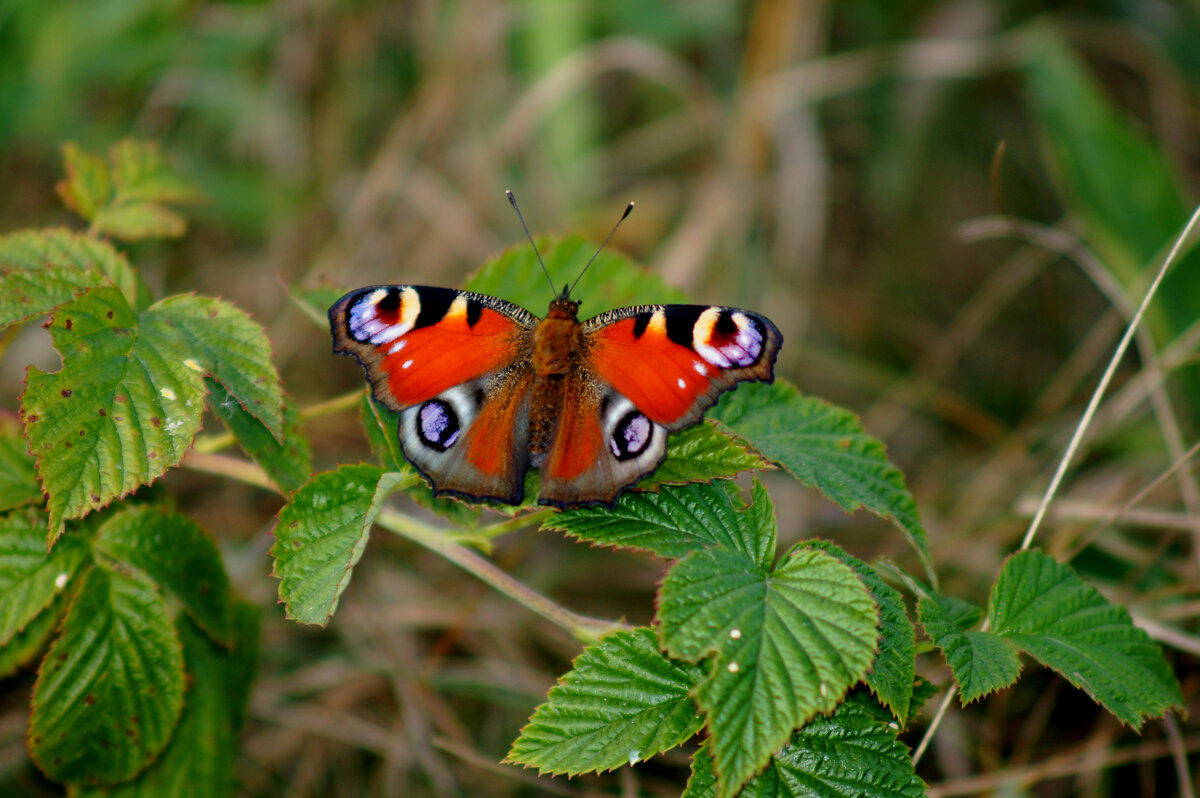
(86, 459)
(119, 649)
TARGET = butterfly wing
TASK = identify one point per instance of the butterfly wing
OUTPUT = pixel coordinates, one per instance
(455, 366)
(646, 371)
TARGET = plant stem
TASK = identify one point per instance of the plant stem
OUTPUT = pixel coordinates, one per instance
(581, 627)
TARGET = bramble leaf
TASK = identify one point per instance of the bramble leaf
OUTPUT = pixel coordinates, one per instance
(1043, 608)
(788, 643)
(18, 474)
(88, 186)
(981, 662)
(42, 269)
(178, 555)
(701, 454)
(288, 464)
(142, 182)
(133, 221)
(673, 522)
(22, 648)
(321, 534)
(31, 577)
(121, 411)
(111, 687)
(622, 702)
(850, 753)
(199, 761)
(895, 669)
(221, 340)
(824, 447)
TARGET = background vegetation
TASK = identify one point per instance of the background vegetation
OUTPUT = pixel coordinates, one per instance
(948, 208)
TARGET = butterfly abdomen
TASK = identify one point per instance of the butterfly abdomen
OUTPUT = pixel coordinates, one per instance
(556, 343)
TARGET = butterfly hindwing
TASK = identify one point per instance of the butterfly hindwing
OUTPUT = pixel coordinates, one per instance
(472, 440)
(416, 342)
(602, 444)
(673, 361)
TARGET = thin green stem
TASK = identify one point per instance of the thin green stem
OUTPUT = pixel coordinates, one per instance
(440, 541)
(215, 443)
(581, 627)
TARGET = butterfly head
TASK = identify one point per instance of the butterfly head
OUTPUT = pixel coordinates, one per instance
(563, 307)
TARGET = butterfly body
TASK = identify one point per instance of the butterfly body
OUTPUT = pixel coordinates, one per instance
(485, 390)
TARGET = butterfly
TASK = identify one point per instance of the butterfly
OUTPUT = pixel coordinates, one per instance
(486, 390)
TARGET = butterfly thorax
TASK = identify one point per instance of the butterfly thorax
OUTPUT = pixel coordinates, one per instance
(556, 344)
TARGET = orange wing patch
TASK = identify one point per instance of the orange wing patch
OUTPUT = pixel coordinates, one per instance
(663, 379)
(432, 359)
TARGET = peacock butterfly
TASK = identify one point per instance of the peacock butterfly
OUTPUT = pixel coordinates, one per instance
(485, 389)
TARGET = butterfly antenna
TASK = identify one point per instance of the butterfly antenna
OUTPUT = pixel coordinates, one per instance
(513, 201)
(624, 216)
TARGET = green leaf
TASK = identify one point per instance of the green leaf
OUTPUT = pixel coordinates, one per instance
(222, 341)
(673, 522)
(891, 677)
(134, 221)
(611, 281)
(321, 534)
(141, 175)
(199, 761)
(621, 703)
(24, 647)
(31, 577)
(111, 687)
(18, 476)
(381, 426)
(121, 411)
(42, 269)
(851, 753)
(288, 464)
(701, 454)
(1043, 608)
(824, 447)
(981, 662)
(88, 186)
(788, 643)
(178, 555)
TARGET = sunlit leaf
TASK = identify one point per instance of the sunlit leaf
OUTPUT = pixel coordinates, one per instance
(786, 644)
(121, 411)
(824, 447)
(321, 534)
(219, 339)
(1043, 608)
(891, 677)
(621, 702)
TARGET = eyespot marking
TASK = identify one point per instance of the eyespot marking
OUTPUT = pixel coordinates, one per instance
(631, 436)
(438, 425)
